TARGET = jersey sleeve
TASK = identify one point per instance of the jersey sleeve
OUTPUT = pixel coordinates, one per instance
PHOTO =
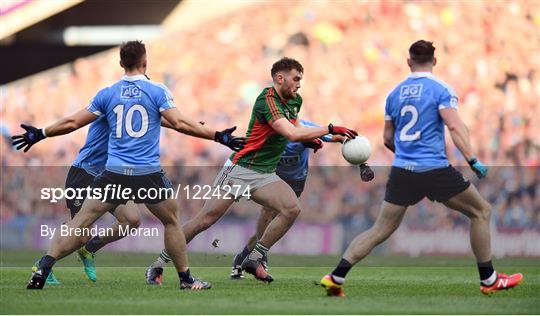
(268, 110)
(164, 99)
(387, 116)
(97, 104)
(448, 99)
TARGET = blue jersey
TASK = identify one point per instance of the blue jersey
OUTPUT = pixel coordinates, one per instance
(93, 155)
(293, 164)
(132, 108)
(413, 107)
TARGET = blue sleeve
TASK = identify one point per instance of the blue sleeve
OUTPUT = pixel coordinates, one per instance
(308, 123)
(97, 104)
(448, 99)
(387, 114)
(164, 99)
(325, 138)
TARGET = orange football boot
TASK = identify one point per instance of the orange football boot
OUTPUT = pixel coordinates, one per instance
(503, 282)
(331, 287)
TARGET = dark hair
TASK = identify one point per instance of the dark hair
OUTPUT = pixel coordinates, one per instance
(422, 51)
(286, 64)
(131, 54)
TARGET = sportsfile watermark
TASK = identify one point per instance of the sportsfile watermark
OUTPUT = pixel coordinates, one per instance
(329, 198)
(119, 192)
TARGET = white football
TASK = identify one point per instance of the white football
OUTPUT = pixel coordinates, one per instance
(356, 151)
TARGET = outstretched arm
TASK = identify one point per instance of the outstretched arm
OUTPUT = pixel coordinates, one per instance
(61, 127)
(173, 118)
(304, 134)
(325, 138)
(166, 124)
(69, 124)
(297, 133)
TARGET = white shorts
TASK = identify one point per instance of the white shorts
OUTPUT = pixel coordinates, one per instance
(242, 180)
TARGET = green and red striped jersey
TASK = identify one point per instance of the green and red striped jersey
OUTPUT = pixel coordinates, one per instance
(264, 146)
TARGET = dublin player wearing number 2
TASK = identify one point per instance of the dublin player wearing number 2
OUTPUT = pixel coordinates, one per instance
(133, 108)
(415, 114)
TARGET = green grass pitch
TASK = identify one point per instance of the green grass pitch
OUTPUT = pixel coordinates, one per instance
(380, 285)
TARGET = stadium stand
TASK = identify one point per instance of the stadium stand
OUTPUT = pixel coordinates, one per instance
(353, 56)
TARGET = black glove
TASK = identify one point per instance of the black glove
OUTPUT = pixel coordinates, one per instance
(366, 173)
(233, 142)
(28, 139)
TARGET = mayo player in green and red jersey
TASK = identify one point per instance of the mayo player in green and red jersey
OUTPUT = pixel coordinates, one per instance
(274, 122)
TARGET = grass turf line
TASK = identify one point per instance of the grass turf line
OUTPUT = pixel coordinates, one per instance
(432, 289)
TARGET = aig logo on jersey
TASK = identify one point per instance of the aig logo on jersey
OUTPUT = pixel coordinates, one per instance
(129, 92)
(411, 91)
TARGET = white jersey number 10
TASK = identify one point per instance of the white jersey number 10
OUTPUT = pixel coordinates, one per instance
(119, 111)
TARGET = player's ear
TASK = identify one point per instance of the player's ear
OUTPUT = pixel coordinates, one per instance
(144, 61)
(409, 62)
(280, 78)
(434, 61)
(122, 64)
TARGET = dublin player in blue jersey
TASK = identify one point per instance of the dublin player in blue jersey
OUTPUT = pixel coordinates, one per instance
(133, 107)
(90, 162)
(415, 115)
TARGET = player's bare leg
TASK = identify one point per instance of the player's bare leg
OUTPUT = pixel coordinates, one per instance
(64, 245)
(265, 217)
(175, 243)
(211, 212)
(280, 197)
(387, 222)
(174, 239)
(478, 210)
(89, 213)
(127, 217)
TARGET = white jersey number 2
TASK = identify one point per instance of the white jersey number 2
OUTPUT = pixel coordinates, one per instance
(403, 135)
(119, 111)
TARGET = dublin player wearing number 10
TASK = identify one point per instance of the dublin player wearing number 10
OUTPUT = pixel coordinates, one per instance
(415, 114)
(133, 108)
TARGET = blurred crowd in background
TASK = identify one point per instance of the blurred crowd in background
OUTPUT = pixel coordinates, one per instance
(353, 55)
(332, 195)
